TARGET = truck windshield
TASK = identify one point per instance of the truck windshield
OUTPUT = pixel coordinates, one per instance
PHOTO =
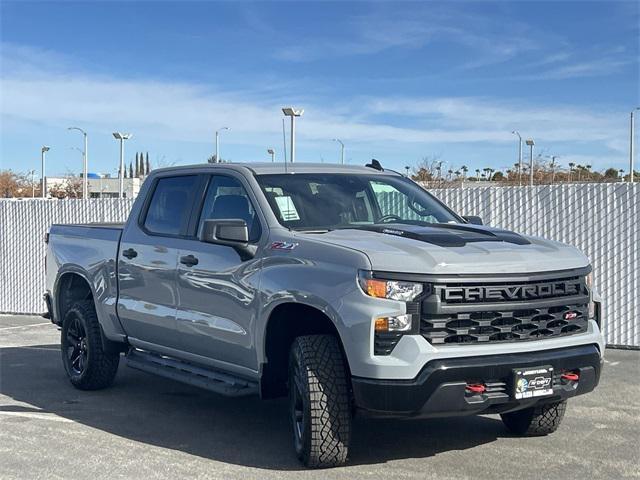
(329, 201)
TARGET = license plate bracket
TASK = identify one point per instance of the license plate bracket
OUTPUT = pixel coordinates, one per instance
(532, 382)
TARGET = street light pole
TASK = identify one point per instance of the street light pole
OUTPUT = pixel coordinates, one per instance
(218, 143)
(85, 162)
(530, 143)
(341, 149)
(515, 132)
(122, 137)
(291, 112)
(631, 145)
(43, 152)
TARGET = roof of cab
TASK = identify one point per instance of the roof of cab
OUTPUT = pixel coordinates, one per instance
(263, 168)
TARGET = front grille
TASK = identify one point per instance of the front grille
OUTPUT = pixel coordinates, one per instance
(504, 325)
(495, 311)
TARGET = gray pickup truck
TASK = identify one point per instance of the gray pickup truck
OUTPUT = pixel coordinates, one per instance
(350, 289)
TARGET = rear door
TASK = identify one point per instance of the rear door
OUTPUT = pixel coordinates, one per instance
(148, 258)
(217, 290)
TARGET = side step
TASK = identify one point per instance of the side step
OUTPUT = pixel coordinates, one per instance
(215, 381)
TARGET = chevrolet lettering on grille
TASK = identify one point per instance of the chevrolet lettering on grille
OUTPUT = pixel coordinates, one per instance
(512, 293)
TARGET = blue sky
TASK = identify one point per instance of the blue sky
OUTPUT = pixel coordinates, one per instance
(396, 81)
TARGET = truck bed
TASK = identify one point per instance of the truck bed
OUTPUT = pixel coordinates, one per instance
(91, 248)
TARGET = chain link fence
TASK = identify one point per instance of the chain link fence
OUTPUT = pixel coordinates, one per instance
(600, 219)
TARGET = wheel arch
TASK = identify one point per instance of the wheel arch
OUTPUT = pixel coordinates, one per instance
(285, 322)
(71, 286)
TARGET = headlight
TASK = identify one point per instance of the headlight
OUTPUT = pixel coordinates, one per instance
(391, 289)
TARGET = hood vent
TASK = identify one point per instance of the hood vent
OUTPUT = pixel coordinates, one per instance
(447, 234)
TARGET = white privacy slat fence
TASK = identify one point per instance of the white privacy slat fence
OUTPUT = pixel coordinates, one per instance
(600, 219)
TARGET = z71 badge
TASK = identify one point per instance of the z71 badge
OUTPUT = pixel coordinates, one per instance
(286, 246)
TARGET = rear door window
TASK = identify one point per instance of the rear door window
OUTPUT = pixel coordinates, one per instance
(170, 206)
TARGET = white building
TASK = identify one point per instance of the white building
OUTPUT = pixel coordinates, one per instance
(103, 187)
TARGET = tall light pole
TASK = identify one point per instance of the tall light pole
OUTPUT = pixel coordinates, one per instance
(631, 145)
(530, 143)
(272, 152)
(293, 113)
(218, 143)
(122, 137)
(341, 149)
(85, 162)
(43, 159)
(515, 132)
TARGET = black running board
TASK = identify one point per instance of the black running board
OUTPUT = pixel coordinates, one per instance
(215, 381)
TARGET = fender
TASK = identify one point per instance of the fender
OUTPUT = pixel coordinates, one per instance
(105, 302)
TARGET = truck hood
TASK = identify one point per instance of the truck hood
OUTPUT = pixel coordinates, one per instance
(455, 249)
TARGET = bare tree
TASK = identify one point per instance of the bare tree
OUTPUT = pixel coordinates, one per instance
(427, 169)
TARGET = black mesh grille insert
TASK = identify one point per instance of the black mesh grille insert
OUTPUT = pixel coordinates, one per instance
(504, 325)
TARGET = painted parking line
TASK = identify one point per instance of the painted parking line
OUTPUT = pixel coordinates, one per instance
(38, 416)
(24, 326)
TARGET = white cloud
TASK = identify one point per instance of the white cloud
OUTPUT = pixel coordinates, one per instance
(37, 91)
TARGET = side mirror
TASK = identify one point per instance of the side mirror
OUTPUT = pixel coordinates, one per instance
(231, 233)
(474, 220)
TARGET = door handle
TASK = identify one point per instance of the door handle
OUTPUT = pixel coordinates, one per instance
(188, 260)
(129, 253)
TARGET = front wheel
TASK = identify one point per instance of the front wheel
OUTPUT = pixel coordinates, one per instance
(539, 420)
(87, 364)
(319, 401)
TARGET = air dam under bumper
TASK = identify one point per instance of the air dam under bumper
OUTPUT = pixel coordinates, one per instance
(439, 390)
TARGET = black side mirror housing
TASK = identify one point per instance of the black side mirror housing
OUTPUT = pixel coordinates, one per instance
(474, 220)
(231, 233)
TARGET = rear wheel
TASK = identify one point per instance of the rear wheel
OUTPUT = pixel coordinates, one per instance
(319, 402)
(539, 420)
(88, 366)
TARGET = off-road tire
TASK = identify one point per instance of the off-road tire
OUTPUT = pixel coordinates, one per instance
(99, 368)
(319, 401)
(535, 421)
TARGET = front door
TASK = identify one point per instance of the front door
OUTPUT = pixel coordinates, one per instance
(147, 262)
(217, 290)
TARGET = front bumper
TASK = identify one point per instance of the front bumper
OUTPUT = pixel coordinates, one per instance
(439, 389)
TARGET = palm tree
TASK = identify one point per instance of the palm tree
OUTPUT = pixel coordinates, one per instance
(571, 165)
(477, 174)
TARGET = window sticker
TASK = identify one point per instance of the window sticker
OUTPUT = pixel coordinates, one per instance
(287, 208)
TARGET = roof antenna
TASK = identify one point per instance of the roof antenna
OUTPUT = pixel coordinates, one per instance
(375, 164)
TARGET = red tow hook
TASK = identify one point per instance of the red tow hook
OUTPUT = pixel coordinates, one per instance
(476, 388)
(570, 377)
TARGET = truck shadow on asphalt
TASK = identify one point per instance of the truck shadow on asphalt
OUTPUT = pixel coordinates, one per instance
(244, 431)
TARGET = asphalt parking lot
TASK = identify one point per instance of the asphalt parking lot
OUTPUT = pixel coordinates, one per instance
(149, 427)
